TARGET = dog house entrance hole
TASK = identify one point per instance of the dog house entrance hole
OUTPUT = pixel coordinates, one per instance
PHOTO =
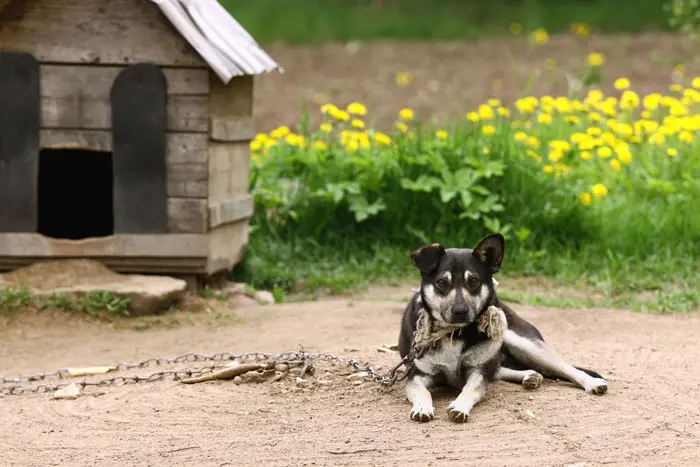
(75, 193)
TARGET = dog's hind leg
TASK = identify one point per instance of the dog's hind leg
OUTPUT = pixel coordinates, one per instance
(530, 379)
(418, 395)
(538, 355)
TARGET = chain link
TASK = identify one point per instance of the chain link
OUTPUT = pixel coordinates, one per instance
(13, 386)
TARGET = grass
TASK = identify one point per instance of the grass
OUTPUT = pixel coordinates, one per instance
(587, 188)
(316, 21)
(99, 304)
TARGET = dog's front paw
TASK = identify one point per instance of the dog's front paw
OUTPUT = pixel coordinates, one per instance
(493, 323)
(597, 386)
(532, 380)
(422, 414)
(457, 413)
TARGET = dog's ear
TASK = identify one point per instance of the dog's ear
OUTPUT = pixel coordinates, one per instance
(427, 258)
(490, 251)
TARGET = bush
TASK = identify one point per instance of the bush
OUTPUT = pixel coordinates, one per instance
(592, 184)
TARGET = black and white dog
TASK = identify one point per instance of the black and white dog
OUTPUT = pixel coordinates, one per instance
(461, 335)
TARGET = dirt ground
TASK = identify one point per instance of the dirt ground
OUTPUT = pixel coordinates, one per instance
(450, 78)
(650, 415)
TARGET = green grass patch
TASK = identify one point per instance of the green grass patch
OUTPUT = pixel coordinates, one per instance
(315, 21)
(98, 304)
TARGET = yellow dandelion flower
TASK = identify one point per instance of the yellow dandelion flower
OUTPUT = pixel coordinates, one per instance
(485, 112)
(406, 114)
(594, 131)
(402, 127)
(672, 152)
(255, 145)
(539, 36)
(573, 119)
(580, 30)
(646, 114)
(686, 136)
(355, 108)
(357, 123)
(442, 134)
(555, 155)
(629, 100)
(534, 155)
(352, 145)
(560, 144)
(494, 102)
(320, 145)
(594, 117)
(279, 132)
(621, 83)
(616, 165)
(382, 139)
(532, 141)
(675, 88)
(599, 190)
(520, 136)
(403, 78)
(585, 198)
(473, 117)
(328, 108)
(548, 169)
(586, 155)
(326, 127)
(594, 96)
(595, 59)
(488, 130)
(657, 138)
(544, 119)
(503, 112)
(624, 154)
(604, 152)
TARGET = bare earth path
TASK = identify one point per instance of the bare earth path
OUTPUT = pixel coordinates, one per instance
(651, 415)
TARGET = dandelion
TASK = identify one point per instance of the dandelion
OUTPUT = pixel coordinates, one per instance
(604, 152)
(573, 119)
(594, 117)
(279, 132)
(357, 123)
(580, 30)
(657, 138)
(555, 155)
(382, 139)
(548, 169)
(621, 84)
(686, 137)
(485, 112)
(672, 152)
(403, 79)
(586, 155)
(629, 100)
(696, 82)
(532, 141)
(328, 108)
(675, 88)
(532, 154)
(539, 36)
(406, 114)
(599, 190)
(320, 145)
(494, 102)
(624, 154)
(402, 127)
(520, 136)
(326, 127)
(503, 112)
(488, 130)
(441, 134)
(585, 198)
(595, 59)
(646, 114)
(544, 119)
(355, 108)
(255, 145)
(616, 165)
(473, 117)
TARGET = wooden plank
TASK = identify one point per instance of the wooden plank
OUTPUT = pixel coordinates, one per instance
(144, 246)
(95, 31)
(95, 82)
(182, 148)
(19, 141)
(230, 210)
(187, 215)
(139, 147)
(232, 129)
(183, 189)
(227, 246)
(184, 113)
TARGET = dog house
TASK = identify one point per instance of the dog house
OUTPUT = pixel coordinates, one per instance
(124, 133)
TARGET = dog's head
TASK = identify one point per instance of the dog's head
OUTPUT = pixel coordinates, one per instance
(457, 283)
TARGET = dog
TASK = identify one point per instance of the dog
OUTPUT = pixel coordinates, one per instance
(456, 332)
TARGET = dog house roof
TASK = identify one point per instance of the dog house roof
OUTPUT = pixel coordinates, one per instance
(218, 38)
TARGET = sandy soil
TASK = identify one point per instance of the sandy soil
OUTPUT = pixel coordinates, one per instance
(450, 78)
(650, 416)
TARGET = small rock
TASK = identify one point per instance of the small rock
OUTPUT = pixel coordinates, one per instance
(529, 413)
(300, 381)
(531, 398)
(235, 288)
(264, 297)
(70, 392)
(240, 301)
(358, 382)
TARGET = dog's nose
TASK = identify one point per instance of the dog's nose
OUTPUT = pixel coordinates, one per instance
(460, 311)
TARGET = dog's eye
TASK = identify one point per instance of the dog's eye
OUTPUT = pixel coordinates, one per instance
(441, 283)
(473, 283)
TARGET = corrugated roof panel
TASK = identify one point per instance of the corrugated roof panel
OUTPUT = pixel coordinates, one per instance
(221, 41)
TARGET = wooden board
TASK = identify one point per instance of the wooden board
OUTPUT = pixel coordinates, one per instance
(94, 31)
(139, 96)
(19, 141)
(187, 215)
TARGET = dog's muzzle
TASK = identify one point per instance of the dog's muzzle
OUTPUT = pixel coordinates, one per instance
(460, 313)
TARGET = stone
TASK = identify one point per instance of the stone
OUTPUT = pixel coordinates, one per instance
(240, 301)
(264, 297)
(234, 288)
(69, 392)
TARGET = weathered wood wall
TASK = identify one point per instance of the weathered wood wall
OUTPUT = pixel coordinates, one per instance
(230, 205)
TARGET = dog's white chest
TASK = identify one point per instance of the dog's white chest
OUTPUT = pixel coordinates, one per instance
(445, 360)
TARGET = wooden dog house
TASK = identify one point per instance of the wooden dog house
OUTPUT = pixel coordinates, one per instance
(124, 133)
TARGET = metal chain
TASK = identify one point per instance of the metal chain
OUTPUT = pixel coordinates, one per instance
(17, 389)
